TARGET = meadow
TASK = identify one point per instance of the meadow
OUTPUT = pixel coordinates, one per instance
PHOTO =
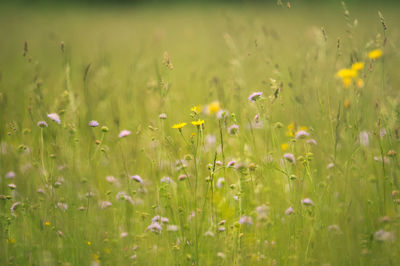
(200, 135)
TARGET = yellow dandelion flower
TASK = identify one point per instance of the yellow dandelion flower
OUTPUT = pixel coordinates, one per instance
(303, 128)
(291, 126)
(213, 107)
(375, 54)
(47, 223)
(289, 133)
(179, 126)
(196, 109)
(198, 122)
(89, 243)
(284, 146)
(346, 82)
(357, 66)
(360, 83)
(346, 73)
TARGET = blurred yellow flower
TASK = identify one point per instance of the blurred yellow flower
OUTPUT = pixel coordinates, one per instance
(47, 223)
(284, 146)
(213, 107)
(89, 243)
(198, 122)
(196, 109)
(359, 83)
(346, 73)
(179, 126)
(375, 54)
(357, 66)
(346, 82)
(291, 126)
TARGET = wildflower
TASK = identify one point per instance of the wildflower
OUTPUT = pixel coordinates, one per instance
(307, 202)
(105, 204)
(360, 83)
(312, 141)
(162, 116)
(246, 220)
(289, 211)
(123, 234)
(167, 180)
(196, 109)
(289, 157)
(364, 141)
(42, 124)
(182, 177)
(47, 223)
(12, 186)
(220, 182)
(262, 212)
(10, 174)
(392, 153)
(384, 236)
(137, 178)
(357, 66)
(154, 227)
(231, 163)
(104, 129)
(301, 134)
(54, 117)
(159, 218)
(222, 114)
(213, 107)
(255, 96)
(284, 146)
(110, 179)
(93, 123)
(233, 129)
(375, 54)
(124, 133)
(198, 122)
(346, 73)
(179, 126)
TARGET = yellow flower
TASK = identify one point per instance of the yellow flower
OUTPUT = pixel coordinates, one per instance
(375, 54)
(303, 128)
(213, 107)
(89, 243)
(360, 83)
(198, 122)
(47, 223)
(357, 66)
(346, 73)
(196, 109)
(291, 126)
(284, 146)
(346, 82)
(179, 126)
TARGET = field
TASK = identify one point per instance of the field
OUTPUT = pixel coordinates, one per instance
(200, 135)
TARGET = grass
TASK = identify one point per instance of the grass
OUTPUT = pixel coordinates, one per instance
(67, 196)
